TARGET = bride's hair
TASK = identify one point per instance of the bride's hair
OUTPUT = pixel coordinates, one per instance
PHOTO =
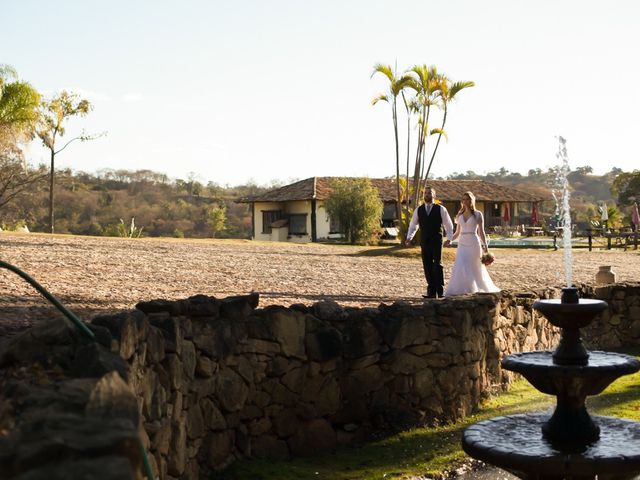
(472, 197)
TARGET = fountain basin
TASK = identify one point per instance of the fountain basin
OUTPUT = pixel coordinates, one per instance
(570, 315)
(571, 424)
(540, 369)
(515, 443)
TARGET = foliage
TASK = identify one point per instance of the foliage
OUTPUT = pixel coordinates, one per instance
(357, 206)
(216, 218)
(19, 103)
(626, 187)
(86, 204)
(16, 178)
(121, 230)
(587, 190)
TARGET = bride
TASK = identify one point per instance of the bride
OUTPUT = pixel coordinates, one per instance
(469, 275)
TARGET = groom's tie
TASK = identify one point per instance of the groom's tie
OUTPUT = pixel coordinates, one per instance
(429, 209)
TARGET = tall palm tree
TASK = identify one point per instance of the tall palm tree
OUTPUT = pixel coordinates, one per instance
(412, 107)
(425, 82)
(447, 93)
(396, 85)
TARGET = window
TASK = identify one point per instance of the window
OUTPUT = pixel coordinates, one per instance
(389, 211)
(334, 225)
(495, 209)
(268, 217)
(298, 224)
(389, 215)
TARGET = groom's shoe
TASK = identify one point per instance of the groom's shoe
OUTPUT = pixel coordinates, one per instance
(429, 295)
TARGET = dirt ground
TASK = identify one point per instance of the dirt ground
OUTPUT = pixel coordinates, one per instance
(93, 275)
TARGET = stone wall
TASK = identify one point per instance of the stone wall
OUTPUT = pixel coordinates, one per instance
(619, 325)
(210, 380)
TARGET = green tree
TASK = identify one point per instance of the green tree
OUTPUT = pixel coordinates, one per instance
(356, 204)
(216, 219)
(626, 186)
(53, 115)
(19, 103)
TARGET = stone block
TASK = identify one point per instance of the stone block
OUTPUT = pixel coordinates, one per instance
(212, 417)
(176, 461)
(231, 390)
(288, 328)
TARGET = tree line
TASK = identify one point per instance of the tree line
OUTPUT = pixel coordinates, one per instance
(105, 202)
(616, 189)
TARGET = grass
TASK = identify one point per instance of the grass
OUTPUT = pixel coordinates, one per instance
(428, 452)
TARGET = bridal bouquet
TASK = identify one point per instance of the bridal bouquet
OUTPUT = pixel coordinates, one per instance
(487, 258)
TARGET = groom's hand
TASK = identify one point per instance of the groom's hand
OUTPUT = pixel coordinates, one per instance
(407, 243)
(447, 243)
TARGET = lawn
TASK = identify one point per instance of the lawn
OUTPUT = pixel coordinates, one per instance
(428, 452)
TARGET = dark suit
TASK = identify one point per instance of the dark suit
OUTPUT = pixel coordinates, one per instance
(431, 247)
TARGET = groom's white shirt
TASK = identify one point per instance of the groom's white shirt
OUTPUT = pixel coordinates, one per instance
(446, 221)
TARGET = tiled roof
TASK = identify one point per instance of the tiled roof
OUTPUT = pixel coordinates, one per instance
(446, 190)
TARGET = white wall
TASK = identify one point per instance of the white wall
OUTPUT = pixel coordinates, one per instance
(304, 207)
(258, 208)
(297, 207)
(322, 221)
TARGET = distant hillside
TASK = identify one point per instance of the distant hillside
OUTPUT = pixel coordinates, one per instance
(94, 204)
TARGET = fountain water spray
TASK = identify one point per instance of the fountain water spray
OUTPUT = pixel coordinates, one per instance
(565, 217)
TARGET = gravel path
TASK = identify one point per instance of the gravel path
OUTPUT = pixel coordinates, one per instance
(92, 275)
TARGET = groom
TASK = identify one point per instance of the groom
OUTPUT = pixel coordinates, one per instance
(430, 217)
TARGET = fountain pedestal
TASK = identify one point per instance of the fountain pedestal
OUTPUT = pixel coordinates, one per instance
(569, 443)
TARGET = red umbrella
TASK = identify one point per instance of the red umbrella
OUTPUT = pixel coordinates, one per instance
(635, 215)
(506, 214)
(534, 214)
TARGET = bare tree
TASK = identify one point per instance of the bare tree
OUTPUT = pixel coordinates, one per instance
(54, 112)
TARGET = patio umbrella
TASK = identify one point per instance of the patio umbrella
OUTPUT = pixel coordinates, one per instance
(635, 215)
(604, 214)
(506, 213)
(534, 214)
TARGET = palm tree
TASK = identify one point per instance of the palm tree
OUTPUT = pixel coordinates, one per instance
(19, 103)
(396, 85)
(411, 107)
(425, 82)
(447, 93)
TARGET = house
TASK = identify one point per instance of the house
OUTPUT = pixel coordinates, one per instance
(296, 212)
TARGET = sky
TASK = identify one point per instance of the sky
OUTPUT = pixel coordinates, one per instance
(270, 91)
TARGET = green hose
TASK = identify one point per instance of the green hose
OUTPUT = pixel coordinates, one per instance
(80, 325)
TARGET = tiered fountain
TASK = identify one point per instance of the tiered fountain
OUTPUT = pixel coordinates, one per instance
(569, 444)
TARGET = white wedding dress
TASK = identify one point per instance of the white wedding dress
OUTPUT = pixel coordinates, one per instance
(469, 275)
